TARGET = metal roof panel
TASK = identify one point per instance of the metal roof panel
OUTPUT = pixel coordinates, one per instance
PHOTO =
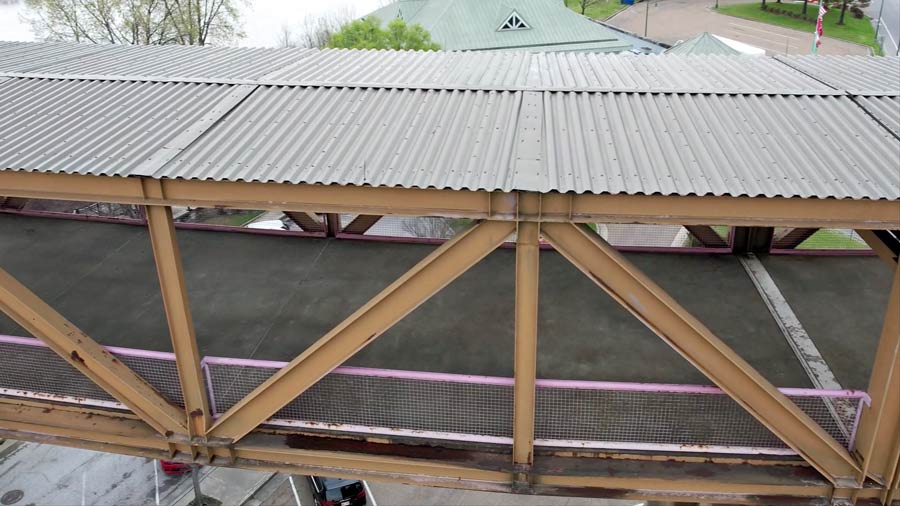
(858, 75)
(678, 144)
(95, 127)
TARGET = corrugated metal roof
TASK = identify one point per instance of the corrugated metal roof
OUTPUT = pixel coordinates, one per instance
(496, 70)
(473, 24)
(719, 145)
(146, 61)
(664, 73)
(487, 69)
(703, 44)
(884, 109)
(586, 142)
(29, 56)
(859, 75)
(95, 127)
(410, 138)
(640, 141)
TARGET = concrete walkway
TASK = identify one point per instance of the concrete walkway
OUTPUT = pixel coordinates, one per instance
(674, 20)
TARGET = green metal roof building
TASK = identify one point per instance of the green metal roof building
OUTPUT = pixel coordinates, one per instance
(540, 25)
(703, 44)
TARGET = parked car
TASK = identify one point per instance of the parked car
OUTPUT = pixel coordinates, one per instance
(337, 492)
(171, 468)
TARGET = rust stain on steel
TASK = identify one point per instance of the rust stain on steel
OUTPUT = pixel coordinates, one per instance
(298, 441)
(76, 357)
(196, 413)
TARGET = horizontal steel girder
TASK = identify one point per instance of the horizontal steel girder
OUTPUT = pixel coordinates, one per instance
(555, 207)
(667, 479)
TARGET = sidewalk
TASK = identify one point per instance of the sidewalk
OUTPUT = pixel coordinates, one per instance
(674, 20)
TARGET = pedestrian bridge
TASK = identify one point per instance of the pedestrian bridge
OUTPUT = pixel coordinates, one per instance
(607, 276)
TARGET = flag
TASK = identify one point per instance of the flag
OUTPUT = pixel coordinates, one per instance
(819, 32)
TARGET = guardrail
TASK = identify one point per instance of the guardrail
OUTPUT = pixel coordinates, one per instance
(441, 406)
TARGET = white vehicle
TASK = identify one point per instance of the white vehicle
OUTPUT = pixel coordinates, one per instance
(268, 225)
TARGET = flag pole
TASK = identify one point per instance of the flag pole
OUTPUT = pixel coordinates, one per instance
(817, 32)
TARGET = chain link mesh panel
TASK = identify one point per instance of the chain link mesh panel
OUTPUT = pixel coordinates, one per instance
(693, 419)
(376, 403)
(34, 370)
(568, 413)
(579, 414)
(807, 239)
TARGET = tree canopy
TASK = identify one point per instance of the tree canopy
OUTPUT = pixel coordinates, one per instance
(367, 33)
(193, 22)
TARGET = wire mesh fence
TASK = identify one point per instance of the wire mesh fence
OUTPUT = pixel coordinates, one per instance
(675, 417)
(377, 401)
(568, 414)
(71, 208)
(35, 371)
(811, 240)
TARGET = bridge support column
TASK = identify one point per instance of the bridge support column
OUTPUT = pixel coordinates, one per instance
(689, 337)
(178, 314)
(878, 441)
(527, 263)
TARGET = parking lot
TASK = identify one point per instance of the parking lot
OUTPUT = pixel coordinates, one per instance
(671, 21)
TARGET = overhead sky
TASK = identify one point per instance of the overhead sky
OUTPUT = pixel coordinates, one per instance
(262, 19)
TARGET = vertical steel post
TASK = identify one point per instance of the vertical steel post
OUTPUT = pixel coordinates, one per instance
(195, 480)
(178, 314)
(527, 260)
(646, 17)
(332, 224)
(878, 440)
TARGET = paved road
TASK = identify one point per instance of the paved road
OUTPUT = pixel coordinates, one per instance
(389, 494)
(889, 32)
(56, 476)
(673, 20)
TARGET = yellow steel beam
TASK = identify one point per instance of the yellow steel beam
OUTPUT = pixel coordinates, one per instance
(527, 261)
(88, 357)
(361, 224)
(307, 221)
(879, 247)
(622, 478)
(687, 335)
(178, 314)
(429, 276)
(711, 210)
(707, 210)
(878, 439)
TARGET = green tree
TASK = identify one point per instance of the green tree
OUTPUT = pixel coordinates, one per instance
(367, 33)
(195, 22)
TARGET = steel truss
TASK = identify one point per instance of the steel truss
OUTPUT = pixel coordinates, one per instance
(156, 428)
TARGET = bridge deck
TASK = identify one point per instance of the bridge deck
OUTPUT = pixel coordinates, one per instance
(269, 297)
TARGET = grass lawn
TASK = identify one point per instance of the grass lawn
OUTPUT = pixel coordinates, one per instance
(233, 220)
(831, 239)
(599, 10)
(854, 30)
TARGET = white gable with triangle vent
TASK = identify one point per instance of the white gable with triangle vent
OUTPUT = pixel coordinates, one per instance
(513, 22)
